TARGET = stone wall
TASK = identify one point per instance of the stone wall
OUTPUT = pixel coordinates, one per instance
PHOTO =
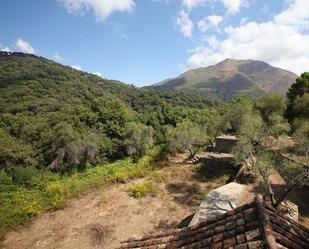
(217, 160)
(225, 143)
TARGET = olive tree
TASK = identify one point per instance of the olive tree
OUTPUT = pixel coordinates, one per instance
(271, 107)
(265, 161)
(138, 139)
(186, 136)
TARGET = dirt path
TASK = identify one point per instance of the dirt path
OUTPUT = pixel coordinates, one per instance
(101, 218)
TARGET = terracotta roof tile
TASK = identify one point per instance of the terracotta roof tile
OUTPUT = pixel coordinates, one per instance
(252, 226)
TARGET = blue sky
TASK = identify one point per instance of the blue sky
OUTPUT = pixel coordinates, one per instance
(145, 41)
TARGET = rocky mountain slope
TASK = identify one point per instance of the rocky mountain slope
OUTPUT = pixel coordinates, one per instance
(231, 78)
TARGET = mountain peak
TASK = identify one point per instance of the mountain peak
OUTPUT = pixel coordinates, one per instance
(232, 78)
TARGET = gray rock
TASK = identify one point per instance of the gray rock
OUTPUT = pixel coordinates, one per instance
(222, 200)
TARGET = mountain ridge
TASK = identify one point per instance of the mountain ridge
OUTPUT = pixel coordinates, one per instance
(232, 78)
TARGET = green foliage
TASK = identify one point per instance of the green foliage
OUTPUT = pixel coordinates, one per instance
(5, 181)
(299, 88)
(52, 116)
(250, 134)
(20, 204)
(186, 136)
(23, 176)
(57, 194)
(272, 107)
(235, 113)
(252, 148)
(270, 104)
(14, 152)
(302, 136)
(25, 205)
(138, 139)
(139, 190)
(298, 98)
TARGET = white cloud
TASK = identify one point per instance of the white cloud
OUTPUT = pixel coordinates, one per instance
(215, 20)
(233, 6)
(213, 42)
(209, 22)
(203, 25)
(24, 46)
(4, 48)
(297, 14)
(282, 42)
(98, 74)
(102, 8)
(279, 45)
(189, 4)
(184, 23)
(76, 67)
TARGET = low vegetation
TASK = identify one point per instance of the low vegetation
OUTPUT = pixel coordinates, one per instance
(21, 201)
(139, 190)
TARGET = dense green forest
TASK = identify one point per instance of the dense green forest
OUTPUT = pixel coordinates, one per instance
(55, 116)
(62, 130)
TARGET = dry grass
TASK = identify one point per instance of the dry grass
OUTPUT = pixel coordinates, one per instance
(114, 207)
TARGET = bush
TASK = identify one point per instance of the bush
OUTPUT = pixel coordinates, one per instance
(121, 177)
(23, 176)
(140, 190)
(57, 194)
(5, 180)
(194, 188)
(25, 205)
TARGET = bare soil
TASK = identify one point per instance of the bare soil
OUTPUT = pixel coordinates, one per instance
(101, 218)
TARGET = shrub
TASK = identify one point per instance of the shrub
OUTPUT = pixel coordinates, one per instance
(194, 188)
(140, 190)
(121, 177)
(5, 180)
(23, 176)
(57, 194)
(25, 205)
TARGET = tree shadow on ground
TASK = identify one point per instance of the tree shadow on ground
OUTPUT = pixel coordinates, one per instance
(188, 194)
(205, 172)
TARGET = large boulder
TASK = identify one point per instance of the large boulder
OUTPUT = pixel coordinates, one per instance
(222, 200)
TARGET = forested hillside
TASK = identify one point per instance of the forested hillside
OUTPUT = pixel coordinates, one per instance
(55, 116)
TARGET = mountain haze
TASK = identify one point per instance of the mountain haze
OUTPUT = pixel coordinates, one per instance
(231, 78)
